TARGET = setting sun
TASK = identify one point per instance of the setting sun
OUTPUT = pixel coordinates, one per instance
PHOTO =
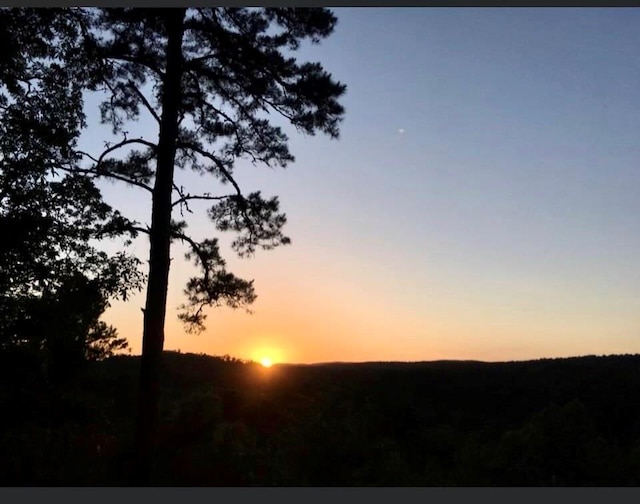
(266, 353)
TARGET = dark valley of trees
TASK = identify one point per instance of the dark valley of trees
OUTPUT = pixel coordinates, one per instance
(552, 422)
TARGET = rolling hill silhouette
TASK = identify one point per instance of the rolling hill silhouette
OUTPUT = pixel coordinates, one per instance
(561, 422)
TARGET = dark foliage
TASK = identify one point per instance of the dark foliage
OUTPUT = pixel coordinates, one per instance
(54, 284)
(552, 422)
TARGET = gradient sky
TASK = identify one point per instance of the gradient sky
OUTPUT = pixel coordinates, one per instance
(482, 202)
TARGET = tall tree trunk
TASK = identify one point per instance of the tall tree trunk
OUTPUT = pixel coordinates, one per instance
(159, 259)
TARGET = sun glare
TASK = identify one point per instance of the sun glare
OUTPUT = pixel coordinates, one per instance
(266, 362)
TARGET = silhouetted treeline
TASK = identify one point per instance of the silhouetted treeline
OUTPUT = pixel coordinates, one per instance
(562, 422)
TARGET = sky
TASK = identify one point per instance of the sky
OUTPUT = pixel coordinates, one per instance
(482, 201)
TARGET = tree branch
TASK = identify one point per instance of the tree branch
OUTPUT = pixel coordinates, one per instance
(215, 160)
(98, 172)
(146, 230)
(135, 60)
(229, 177)
(200, 58)
(194, 245)
(203, 260)
(206, 197)
(101, 173)
(182, 201)
(126, 141)
(144, 100)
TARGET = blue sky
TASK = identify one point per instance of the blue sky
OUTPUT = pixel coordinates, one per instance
(482, 201)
